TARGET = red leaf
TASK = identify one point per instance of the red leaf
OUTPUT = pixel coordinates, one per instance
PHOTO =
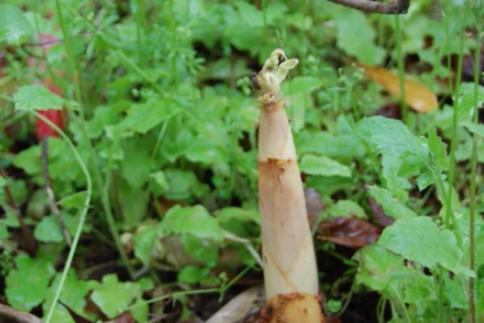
(351, 232)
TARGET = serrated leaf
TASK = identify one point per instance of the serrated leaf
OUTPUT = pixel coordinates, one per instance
(419, 239)
(73, 295)
(323, 166)
(37, 97)
(14, 27)
(113, 297)
(192, 220)
(74, 201)
(390, 204)
(48, 230)
(27, 285)
(347, 208)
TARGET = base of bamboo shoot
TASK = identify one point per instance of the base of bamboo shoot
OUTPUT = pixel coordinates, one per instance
(292, 308)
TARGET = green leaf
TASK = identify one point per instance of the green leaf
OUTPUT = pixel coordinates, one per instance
(29, 160)
(145, 116)
(48, 230)
(28, 284)
(323, 166)
(419, 239)
(113, 297)
(477, 129)
(391, 164)
(342, 146)
(3, 231)
(73, 294)
(200, 250)
(229, 214)
(143, 243)
(390, 204)
(438, 148)
(160, 179)
(14, 27)
(191, 274)
(192, 220)
(3, 182)
(37, 97)
(347, 208)
(75, 201)
(250, 14)
(360, 44)
(134, 204)
(390, 136)
(206, 152)
(377, 265)
(465, 102)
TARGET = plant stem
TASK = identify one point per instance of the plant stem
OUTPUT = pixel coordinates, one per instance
(472, 301)
(401, 71)
(82, 219)
(81, 119)
(448, 216)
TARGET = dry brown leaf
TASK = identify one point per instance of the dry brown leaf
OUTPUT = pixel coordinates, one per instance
(351, 232)
(418, 96)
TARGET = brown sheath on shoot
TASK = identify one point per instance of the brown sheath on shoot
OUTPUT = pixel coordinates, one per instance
(290, 272)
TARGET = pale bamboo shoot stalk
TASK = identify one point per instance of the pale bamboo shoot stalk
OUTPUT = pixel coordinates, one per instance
(290, 272)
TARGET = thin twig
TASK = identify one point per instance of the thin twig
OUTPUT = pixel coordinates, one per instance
(31, 244)
(18, 316)
(50, 192)
(394, 8)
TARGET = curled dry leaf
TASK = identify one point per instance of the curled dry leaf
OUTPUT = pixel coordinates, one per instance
(419, 97)
(243, 305)
(379, 215)
(351, 232)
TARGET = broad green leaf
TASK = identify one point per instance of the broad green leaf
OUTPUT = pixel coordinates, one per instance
(160, 179)
(192, 220)
(390, 136)
(203, 151)
(390, 204)
(301, 84)
(27, 285)
(360, 44)
(323, 166)
(113, 297)
(456, 292)
(29, 160)
(419, 239)
(3, 182)
(377, 266)
(438, 148)
(134, 204)
(74, 201)
(347, 208)
(391, 164)
(238, 214)
(143, 243)
(466, 100)
(37, 97)
(145, 116)
(3, 231)
(48, 230)
(190, 275)
(73, 295)
(250, 14)
(14, 27)
(342, 146)
(200, 250)
(477, 129)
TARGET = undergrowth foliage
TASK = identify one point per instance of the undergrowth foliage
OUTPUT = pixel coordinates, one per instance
(154, 169)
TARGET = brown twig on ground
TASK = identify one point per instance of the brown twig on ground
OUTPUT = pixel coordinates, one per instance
(17, 316)
(394, 8)
(50, 192)
(30, 243)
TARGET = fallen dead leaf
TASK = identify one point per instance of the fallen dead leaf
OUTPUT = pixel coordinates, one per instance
(351, 232)
(418, 96)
